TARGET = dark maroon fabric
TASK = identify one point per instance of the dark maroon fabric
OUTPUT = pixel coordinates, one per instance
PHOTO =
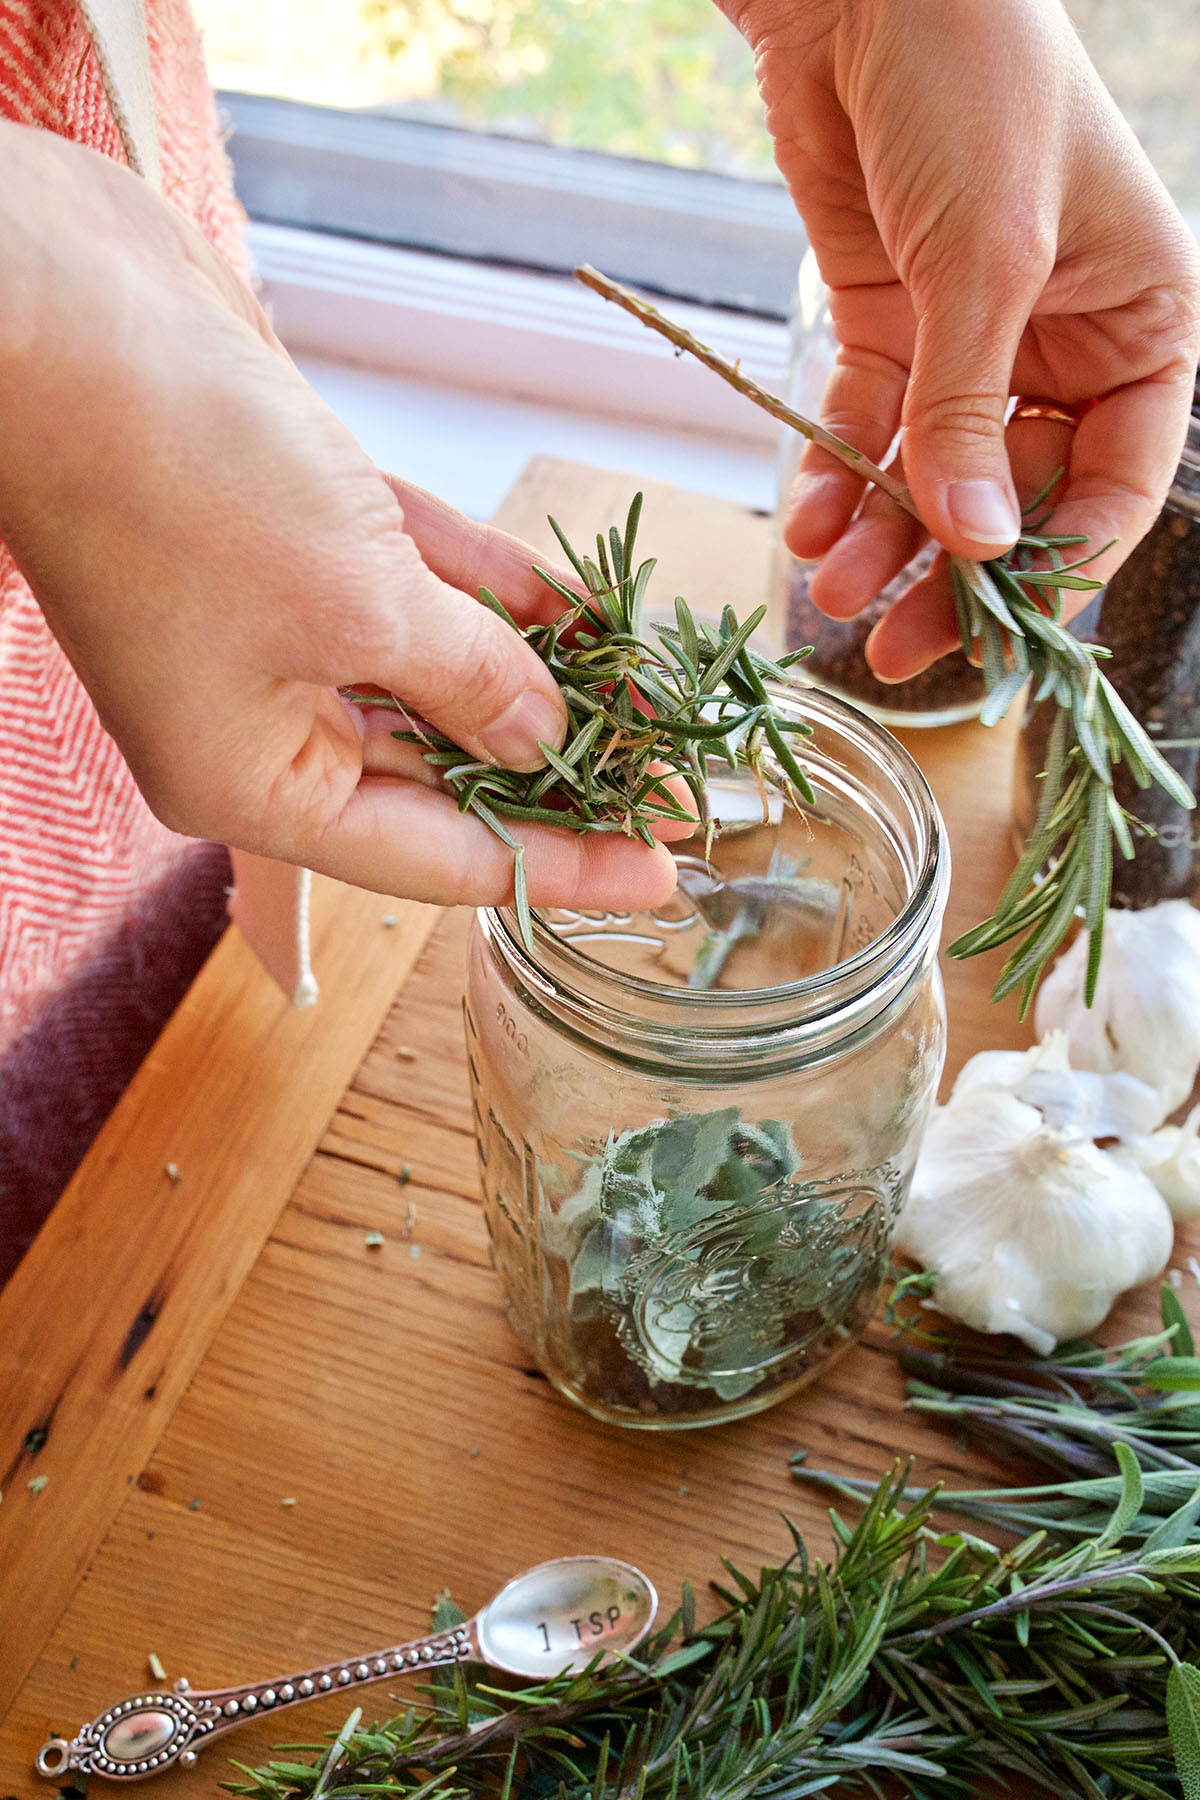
(62, 1077)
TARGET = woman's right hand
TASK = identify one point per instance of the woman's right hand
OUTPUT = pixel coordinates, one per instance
(218, 558)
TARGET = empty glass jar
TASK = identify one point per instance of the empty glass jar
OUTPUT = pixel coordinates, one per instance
(696, 1126)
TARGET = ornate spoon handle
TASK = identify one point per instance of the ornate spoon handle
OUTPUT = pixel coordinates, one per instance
(149, 1732)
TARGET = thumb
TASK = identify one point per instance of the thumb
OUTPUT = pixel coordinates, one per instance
(473, 677)
(953, 422)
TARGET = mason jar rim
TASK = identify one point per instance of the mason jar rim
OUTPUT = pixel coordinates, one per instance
(691, 1025)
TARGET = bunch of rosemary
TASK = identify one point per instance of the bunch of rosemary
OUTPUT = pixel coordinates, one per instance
(1067, 863)
(1010, 613)
(928, 1658)
(1078, 1412)
(645, 704)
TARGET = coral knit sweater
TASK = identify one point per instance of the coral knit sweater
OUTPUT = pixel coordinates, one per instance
(105, 915)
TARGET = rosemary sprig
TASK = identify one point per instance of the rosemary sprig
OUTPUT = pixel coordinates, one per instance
(1010, 609)
(1075, 1412)
(645, 704)
(1065, 1665)
(1067, 865)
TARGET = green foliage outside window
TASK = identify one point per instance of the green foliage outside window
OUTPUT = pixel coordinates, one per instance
(668, 80)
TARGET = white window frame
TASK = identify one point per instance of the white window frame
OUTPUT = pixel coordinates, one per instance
(508, 332)
(718, 240)
(446, 255)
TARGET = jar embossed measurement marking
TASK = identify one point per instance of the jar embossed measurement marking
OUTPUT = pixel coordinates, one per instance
(512, 1032)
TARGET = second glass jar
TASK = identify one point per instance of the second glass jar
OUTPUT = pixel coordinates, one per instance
(948, 691)
(1148, 619)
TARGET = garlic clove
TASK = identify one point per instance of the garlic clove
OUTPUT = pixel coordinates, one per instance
(1028, 1230)
(1072, 1100)
(1145, 1018)
(1088, 1105)
(1008, 1068)
(1171, 1159)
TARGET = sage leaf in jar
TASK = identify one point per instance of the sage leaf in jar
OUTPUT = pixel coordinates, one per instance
(695, 1260)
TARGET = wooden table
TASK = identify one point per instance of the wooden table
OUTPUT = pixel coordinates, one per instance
(266, 1443)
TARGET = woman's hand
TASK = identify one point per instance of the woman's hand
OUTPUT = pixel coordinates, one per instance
(988, 226)
(218, 557)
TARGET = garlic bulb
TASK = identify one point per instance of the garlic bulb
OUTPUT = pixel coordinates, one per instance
(1171, 1158)
(1028, 1229)
(1145, 1018)
(1075, 1100)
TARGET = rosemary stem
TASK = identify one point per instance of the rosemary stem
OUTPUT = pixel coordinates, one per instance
(1035, 1597)
(1011, 608)
(683, 339)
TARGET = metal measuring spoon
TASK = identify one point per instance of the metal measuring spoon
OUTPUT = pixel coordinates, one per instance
(553, 1620)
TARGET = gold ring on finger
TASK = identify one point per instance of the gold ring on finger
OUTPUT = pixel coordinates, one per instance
(1036, 406)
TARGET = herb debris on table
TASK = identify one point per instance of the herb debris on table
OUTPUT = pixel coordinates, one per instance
(1011, 609)
(918, 1660)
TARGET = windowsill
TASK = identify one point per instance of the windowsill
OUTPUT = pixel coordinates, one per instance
(469, 447)
(454, 373)
(502, 201)
(420, 274)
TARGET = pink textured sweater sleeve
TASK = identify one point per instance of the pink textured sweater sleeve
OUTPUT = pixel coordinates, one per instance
(96, 894)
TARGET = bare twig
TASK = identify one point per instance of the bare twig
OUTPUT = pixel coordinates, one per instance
(649, 315)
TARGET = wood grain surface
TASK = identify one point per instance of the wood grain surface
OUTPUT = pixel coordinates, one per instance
(337, 1431)
(119, 1297)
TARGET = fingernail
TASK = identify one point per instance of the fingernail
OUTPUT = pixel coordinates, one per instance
(513, 738)
(916, 665)
(982, 510)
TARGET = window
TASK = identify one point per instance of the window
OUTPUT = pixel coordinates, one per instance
(423, 173)
(665, 80)
(1148, 56)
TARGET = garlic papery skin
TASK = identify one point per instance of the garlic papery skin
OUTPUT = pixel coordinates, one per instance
(1071, 1100)
(1145, 1018)
(1008, 1068)
(1171, 1159)
(1027, 1229)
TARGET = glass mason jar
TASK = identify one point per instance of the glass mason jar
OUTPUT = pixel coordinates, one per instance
(950, 690)
(696, 1126)
(1149, 618)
